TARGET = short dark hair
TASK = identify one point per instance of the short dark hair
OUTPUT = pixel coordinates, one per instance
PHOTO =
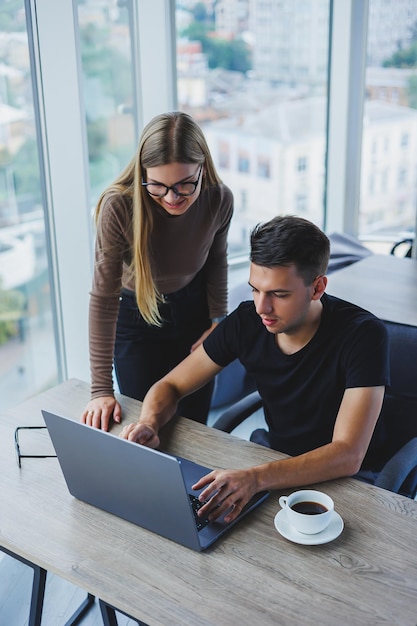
(289, 240)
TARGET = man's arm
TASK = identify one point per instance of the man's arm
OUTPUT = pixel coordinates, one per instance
(230, 490)
(161, 401)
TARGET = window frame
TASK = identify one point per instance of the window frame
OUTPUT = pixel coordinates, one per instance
(68, 214)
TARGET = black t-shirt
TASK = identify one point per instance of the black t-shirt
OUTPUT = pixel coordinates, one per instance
(302, 392)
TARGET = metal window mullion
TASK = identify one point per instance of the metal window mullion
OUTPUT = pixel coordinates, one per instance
(156, 40)
(345, 114)
(45, 183)
(62, 138)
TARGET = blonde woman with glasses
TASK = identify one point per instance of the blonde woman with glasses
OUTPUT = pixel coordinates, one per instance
(160, 273)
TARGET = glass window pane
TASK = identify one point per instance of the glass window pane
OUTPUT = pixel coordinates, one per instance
(389, 143)
(108, 87)
(254, 75)
(28, 361)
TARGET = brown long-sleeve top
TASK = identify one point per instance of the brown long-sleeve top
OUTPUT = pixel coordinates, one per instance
(180, 247)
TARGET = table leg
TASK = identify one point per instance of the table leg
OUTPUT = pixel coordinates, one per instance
(38, 589)
(38, 594)
(81, 611)
(108, 614)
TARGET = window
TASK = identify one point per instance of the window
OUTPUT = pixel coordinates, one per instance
(82, 59)
(243, 164)
(301, 164)
(223, 155)
(390, 119)
(28, 354)
(404, 140)
(108, 90)
(402, 177)
(301, 204)
(264, 167)
(254, 74)
(265, 73)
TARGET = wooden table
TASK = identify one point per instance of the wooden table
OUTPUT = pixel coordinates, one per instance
(367, 576)
(386, 285)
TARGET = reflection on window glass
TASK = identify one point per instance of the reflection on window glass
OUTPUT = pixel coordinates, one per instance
(28, 361)
(254, 75)
(106, 60)
(389, 143)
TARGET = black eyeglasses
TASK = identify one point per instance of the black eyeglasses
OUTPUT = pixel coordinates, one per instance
(19, 455)
(182, 189)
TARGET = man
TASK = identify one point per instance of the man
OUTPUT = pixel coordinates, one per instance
(320, 365)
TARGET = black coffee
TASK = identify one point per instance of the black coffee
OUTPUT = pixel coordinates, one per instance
(309, 508)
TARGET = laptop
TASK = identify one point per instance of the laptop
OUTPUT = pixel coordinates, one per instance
(147, 487)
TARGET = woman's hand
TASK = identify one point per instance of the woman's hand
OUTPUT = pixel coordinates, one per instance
(99, 411)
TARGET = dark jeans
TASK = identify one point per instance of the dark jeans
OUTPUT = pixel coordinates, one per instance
(144, 353)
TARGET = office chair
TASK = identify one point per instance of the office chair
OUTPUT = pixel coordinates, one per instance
(233, 382)
(344, 250)
(398, 456)
(404, 247)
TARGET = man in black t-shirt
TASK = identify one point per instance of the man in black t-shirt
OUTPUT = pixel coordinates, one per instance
(320, 365)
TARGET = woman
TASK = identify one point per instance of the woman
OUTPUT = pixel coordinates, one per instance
(160, 273)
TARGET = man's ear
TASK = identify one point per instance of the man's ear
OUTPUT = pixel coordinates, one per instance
(319, 287)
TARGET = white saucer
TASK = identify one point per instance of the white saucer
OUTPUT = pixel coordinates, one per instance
(332, 531)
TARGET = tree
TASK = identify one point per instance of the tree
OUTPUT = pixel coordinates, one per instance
(105, 63)
(26, 171)
(200, 14)
(10, 16)
(403, 58)
(412, 92)
(406, 58)
(231, 55)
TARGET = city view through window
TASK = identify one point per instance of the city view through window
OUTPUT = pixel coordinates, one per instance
(28, 359)
(255, 75)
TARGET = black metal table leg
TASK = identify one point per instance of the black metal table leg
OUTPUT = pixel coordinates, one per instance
(38, 588)
(38, 594)
(108, 614)
(81, 611)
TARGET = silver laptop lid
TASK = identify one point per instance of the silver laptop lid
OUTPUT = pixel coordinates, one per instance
(144, 486)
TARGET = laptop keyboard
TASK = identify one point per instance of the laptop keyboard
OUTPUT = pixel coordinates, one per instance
(201, 522)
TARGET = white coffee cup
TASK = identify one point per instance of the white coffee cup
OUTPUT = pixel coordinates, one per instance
(308, 511)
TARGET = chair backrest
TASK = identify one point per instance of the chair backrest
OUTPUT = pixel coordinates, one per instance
(404, 247)
(399, 411)
(233, 383)
(345, 250)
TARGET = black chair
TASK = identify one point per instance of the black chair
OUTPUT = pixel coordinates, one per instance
(398, 454)
(398, 432)
(404, 247)
(345, 250)
(233, 383)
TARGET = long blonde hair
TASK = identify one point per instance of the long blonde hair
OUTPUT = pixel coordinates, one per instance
(168, 138)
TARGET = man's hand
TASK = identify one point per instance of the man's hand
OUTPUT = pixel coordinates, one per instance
(99, 411)
(227, 492)
(141, 433)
